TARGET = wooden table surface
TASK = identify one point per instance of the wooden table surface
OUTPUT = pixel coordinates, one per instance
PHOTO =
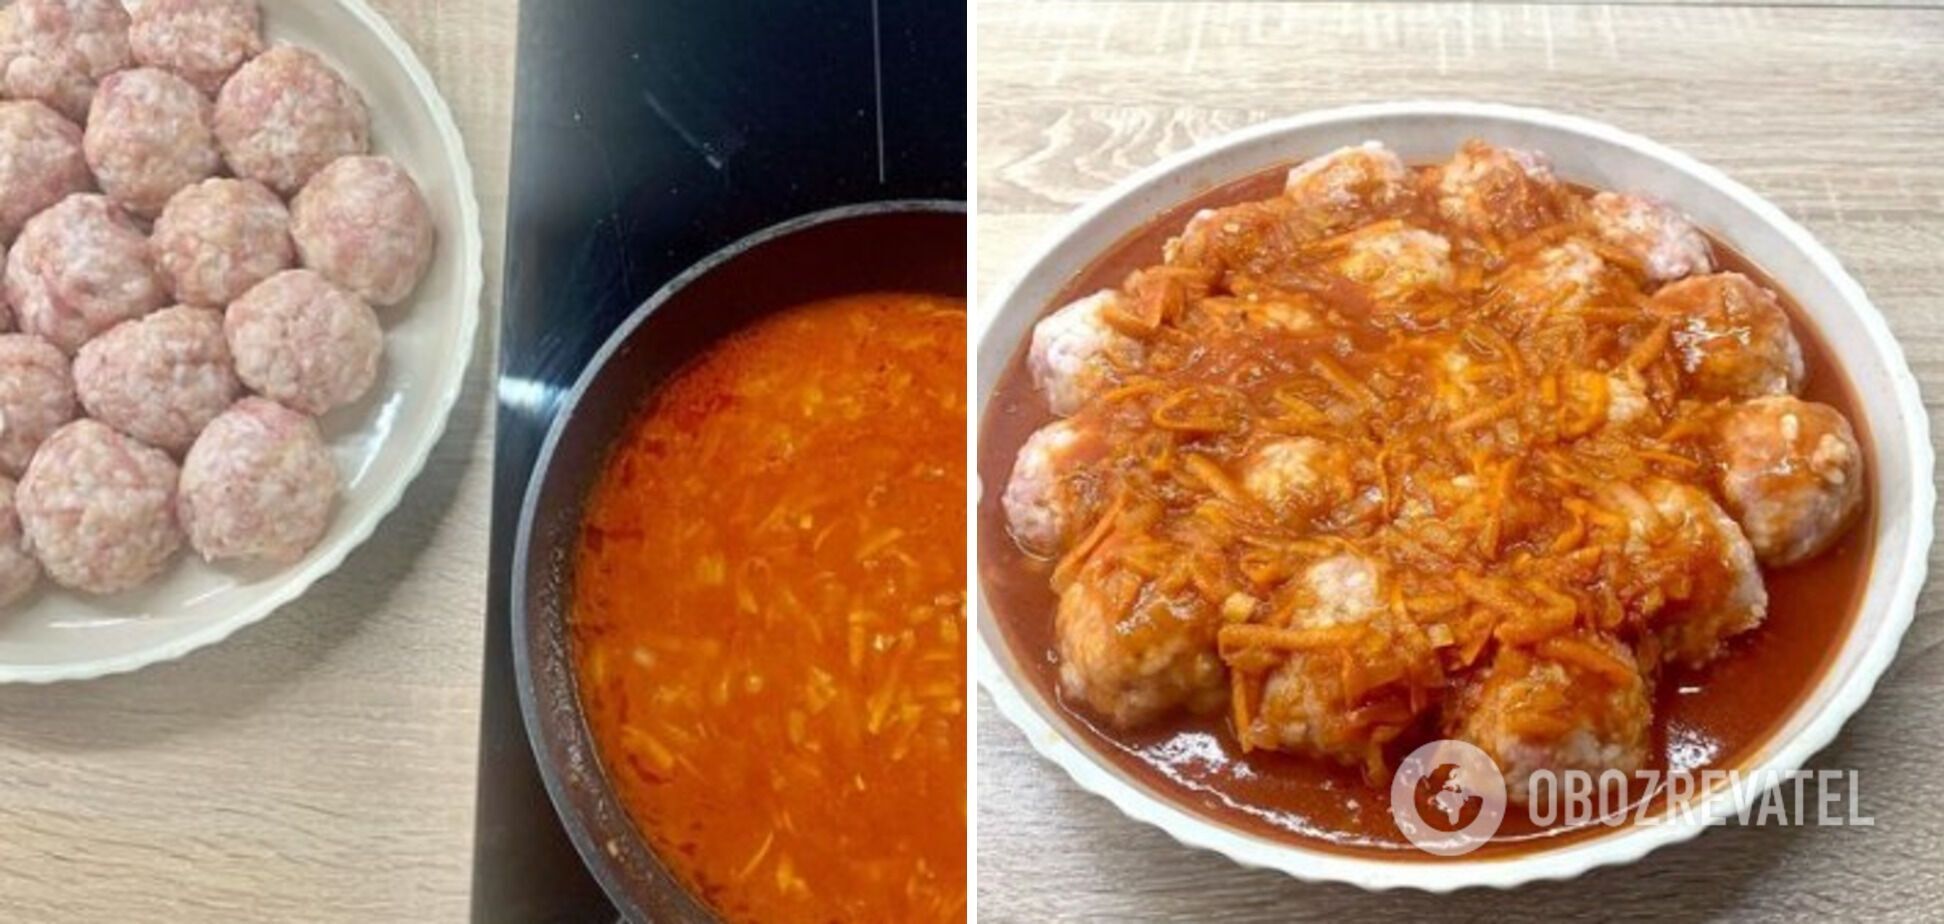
(1833, 113)
(319, 765)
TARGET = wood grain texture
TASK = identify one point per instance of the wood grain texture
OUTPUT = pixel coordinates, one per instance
(1834, 114)
(318, 766)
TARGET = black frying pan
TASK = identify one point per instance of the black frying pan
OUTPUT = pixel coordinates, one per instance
(887, 246)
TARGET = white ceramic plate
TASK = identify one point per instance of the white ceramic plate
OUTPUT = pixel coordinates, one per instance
(1583, 151)
(380, 443)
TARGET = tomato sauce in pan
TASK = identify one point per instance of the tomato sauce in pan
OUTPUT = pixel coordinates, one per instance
(1717, 716)
(769, 616)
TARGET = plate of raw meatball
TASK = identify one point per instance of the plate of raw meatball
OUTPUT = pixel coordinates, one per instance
(239, 285)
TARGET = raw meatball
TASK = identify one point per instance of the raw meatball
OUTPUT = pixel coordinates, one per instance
(19, 572)
(41, 163)
(1046, 496)
(1731, 337)
(287, 114)
(201, 41)
(1337, 613)
(1665, 242)
(217, 239)
(1551, 282)
(1300, 477)
(160, 379)
(80, 268)
(364, 225)
(148, 137)
(1348, 184)
(304, 342)
(1397, 267)
(36, 397)
(258, 485)
(1500, 192)
(54, 50)
(1132, 653)
(99, 508)
(1075, 352)
(1693, 573)
(1578, 702)
(1792, 475)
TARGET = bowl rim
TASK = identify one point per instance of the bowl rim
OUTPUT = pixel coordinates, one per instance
(542, 734)
(1425, 873)
(472, 286)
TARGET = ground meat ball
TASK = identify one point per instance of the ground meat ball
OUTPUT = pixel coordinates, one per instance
(259, 485)
(1665, 242)
(286, 115)
(1045, 498)
(99, 508)
(55, 50)
(1501, 192)
(1349, 184)
(1732, 337)
(1579, 702)
(80, 268)
(364, 225)
(304, 342)
(217, 239)
(41, 163)
(1792, 475)
(148, 137)
(1300, 477)
(1398, 268)
(1075, 351)
(36, 397)
(1693, 569)
(160, 379)
(202, 41)
(1133, 653)
(19, 572)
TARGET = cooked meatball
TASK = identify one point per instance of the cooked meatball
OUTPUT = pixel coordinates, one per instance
(160, 379)
(1696, 576)
(1503, 192)
(36, 397)
(41, 163)
(1299, 477)
(1045, 497)
(1312, 703)
(148, 137)
(217, 239)
(54, 50)
(1348, 184)
(1132, 654)
(258, 485)
(80, 268)
(1550, 282)
(1397, 266)
(19, 572)
(364, 225)
(304, 343)
(1731, 337)
(1792, 475)
(286, 115)
(1575, 703)
(1075, 352)
(1665, 242)
(201, 41)
(99, 508)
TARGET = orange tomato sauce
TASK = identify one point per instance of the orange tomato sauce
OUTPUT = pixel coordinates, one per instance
(769, 616)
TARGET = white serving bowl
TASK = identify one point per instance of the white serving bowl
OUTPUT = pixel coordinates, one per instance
(380, 443)
(1586, 152)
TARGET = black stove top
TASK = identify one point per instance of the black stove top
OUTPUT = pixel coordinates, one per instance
(646, 136)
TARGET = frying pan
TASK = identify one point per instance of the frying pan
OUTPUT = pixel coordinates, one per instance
(904, 246)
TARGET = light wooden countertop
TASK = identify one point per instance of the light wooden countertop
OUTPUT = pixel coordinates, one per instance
(1832, 113)
(319, 765)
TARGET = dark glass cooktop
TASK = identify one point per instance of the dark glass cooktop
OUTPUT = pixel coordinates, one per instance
(646, 136)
